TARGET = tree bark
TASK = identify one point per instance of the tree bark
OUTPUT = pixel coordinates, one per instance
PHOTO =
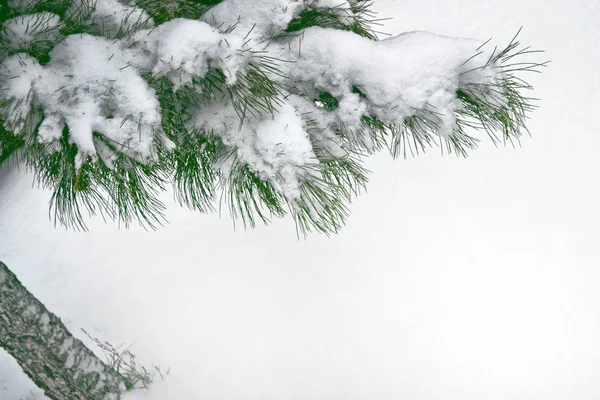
(58, 363)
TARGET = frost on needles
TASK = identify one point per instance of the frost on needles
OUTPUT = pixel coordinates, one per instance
(267, 105)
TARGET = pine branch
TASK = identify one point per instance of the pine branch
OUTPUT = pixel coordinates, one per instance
(116, 180)
(500, 108)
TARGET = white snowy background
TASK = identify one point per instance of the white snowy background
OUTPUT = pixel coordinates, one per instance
(465, 279)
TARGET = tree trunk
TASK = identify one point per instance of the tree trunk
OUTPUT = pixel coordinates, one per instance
(61, 365)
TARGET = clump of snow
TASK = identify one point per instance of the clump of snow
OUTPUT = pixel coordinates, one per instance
(20, 32)
(277, 147)
(262, 19)
(323, 134)
(90, 86)
(183, 48)
(17, 76)
(258, 18)
(399, 75)
(341, 7)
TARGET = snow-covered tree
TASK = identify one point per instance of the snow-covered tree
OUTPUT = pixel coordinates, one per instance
(266, 105)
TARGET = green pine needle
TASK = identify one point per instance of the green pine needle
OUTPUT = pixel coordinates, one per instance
(359, 13)
(125, 191)
(194, 178)
(249, 197)
(9, 144)
(320, 208)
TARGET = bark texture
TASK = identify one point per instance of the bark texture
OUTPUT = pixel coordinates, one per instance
(58, 363)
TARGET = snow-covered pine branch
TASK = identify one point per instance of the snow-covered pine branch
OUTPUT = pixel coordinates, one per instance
(268, 104)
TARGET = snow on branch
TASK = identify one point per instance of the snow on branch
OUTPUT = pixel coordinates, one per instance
(274, 101)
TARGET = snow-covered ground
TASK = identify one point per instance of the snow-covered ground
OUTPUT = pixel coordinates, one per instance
(454, 279)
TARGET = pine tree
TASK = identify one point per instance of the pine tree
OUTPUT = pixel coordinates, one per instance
(269, 106)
